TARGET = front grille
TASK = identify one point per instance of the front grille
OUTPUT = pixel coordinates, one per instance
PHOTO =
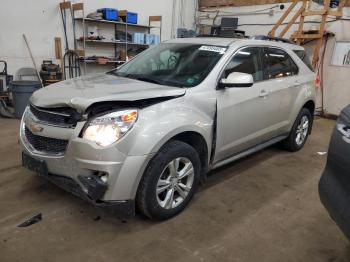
(63, 116)
(46, 144)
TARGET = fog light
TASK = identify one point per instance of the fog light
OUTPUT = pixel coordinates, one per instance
(103, 176)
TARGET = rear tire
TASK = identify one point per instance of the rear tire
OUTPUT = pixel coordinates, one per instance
(300, 131)
(170, 181)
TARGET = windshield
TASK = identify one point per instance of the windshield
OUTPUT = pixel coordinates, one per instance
(181, 65)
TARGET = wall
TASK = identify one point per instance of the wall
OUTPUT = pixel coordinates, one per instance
(40, 20)
(336, 82)
(258, 20)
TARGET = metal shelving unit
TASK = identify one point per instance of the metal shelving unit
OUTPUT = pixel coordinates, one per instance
(117, 25)
(113, 22)
(112, 42)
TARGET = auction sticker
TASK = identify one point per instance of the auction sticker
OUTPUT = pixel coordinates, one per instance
(216, 49)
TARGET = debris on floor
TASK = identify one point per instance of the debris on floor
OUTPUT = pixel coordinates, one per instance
(31, 221)
(322, 153)
(97, 218)
(6, 111)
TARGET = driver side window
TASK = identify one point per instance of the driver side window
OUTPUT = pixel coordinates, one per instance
(247, 61)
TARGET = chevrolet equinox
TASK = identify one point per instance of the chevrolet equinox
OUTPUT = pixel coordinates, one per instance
(145, 134)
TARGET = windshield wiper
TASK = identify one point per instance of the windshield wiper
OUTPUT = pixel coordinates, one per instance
(150, 80)
(144, 78)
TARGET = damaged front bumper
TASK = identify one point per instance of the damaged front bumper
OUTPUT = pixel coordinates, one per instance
(93, 191)
(105, 177)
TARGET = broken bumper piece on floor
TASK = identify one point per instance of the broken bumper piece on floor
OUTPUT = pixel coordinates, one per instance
(94, 190)
(123, 208)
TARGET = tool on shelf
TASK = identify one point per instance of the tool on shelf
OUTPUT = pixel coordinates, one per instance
(63, 7)
(50, 73)
(5, 78)
(78, 9)
(32, 58)
(157, 19)
(123, 35)
(71, 64)
(58, 52)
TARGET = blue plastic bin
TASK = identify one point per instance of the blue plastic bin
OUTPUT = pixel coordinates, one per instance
(128, 17)
(109, 13)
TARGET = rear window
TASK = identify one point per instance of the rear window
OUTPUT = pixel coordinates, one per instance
(279, 64)
(303, 56)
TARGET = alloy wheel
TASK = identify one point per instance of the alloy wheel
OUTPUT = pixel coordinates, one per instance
(175, 183)
(302, 130)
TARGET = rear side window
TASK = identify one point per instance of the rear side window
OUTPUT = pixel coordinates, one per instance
(303, 56)
(279, 64)
(247, 61)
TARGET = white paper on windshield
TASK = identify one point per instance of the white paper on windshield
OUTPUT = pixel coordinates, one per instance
(216, 49)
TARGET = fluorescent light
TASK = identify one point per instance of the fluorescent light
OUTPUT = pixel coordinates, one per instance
(244, 53)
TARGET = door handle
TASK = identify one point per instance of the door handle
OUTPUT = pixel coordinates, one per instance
(263, 93)
(344, 130)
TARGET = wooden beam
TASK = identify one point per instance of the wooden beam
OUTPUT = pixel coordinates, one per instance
(311, 13)
(343, 3)
(155, 18)
(291, 22)
(65, 5)
(321, 32)
(302, 18)
(78, 6)
(308, 36)
(280, 21)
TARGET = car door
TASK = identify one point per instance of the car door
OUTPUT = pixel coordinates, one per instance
(239, 109)
(280, 89)
(334, 185)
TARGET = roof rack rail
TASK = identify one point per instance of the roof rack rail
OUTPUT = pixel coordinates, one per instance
(278, 39)
(220, 36)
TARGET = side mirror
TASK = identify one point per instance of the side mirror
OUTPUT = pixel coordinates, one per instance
(237, 79)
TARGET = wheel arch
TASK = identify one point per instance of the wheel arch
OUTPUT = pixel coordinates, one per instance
(310, 105)
(197, 141)
(194, 139)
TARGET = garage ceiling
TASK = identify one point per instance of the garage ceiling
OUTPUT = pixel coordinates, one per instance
(221, 3)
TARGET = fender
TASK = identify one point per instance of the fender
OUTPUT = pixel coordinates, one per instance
(158, 123)
(307, 93)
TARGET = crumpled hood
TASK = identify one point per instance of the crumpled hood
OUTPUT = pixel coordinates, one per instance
(82, 92)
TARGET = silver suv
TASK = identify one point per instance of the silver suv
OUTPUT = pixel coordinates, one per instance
(146, 134)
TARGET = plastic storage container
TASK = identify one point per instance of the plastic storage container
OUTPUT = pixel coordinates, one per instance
(21, 92)
(128, 17)
(138, 38)
(151, 39)
(109, 13)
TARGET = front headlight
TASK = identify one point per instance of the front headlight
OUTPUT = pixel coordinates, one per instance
(107, 129)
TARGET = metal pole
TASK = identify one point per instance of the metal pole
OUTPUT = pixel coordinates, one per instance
(31, 56)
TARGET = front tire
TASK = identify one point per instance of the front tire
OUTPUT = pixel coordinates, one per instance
(300, 131)
(169, 182)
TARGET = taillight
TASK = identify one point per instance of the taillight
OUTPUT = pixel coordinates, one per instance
(318, 81)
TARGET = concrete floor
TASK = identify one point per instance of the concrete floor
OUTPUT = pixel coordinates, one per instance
(262, 208)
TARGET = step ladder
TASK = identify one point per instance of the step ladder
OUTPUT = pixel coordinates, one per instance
(300, 36)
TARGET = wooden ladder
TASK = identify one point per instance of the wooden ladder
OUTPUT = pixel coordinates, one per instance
(300, 35)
